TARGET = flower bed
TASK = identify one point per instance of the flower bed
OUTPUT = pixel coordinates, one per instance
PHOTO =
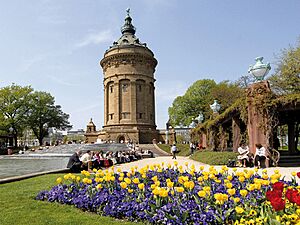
(176, 195)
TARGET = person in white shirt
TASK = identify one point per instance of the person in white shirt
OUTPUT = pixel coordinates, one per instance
(260, 156)
(173, 151)
(86, 160)
(243, 154)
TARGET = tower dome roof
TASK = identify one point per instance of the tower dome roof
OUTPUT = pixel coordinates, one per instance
(128, 34)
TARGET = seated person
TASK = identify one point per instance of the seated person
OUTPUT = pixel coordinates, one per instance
(260, 156)
(74, 162)
(86, 161)
(243, 154)
(96, 160)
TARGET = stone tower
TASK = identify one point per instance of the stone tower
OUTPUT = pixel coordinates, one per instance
(129, 103)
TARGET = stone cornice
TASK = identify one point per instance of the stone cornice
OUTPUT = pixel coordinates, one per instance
(127, 58)
(128, 76)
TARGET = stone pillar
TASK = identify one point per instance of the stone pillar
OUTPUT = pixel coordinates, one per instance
(116, 117)
(257, 120)
(133, 111)
(236, 131)
(291, 137)
(105, 104)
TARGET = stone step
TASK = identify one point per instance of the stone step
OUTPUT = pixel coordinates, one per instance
(292, 161)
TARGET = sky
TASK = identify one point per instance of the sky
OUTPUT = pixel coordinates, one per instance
(56, 45)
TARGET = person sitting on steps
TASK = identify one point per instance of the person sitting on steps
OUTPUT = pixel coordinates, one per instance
(260, 156)
(243, 154)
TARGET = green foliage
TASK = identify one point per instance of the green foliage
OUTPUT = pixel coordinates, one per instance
(199, 97)
(184, 149)
(22, 107)
(226, 93)
(43, 114)
(286, 79)
(214, 158)
(14, 108)
(19, 206)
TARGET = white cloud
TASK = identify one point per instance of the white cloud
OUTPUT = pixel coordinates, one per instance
(62, 82)
(88, 108)
(95, 38)
(28, 63)
(170, 91)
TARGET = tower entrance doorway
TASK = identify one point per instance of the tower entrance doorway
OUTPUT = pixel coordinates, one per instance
(121, 139)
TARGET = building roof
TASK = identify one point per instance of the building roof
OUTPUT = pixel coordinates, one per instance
(128, 37)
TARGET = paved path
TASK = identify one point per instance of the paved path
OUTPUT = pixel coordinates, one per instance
(156, 150)
(284, 171)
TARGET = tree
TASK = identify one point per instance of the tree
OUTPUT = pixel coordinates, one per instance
(286, 79)
(196, 99)
(226, 93)
(43, 114)
(199, 97)
(14, 108)
(245, 81)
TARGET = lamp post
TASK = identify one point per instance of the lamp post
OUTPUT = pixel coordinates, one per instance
(10, 141)
(259, 70)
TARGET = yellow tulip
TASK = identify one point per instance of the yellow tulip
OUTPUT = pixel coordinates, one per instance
(123, 185)
(236, 200)
(243, 192)
(141, 186)
(201, 194)
(179, 189)
(228, 185)
(59, 180)
(99, 186)
(170, 184)
(127, 180)
(231, 191)
(136, 180)
(239, 210)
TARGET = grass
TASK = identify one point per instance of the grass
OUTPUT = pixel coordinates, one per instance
(184, 149)
(19, 207)
(214, 158)
(204, 156)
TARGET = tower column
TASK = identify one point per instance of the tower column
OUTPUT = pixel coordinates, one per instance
(133, 112)
(116, 118)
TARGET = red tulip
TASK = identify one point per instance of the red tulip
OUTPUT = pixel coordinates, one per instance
(278, 204)
(292, 195)
(298, 174)
(278, 186)
(270, 195)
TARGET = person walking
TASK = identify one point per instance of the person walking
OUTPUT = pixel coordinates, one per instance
(192, 148)
(174, 151)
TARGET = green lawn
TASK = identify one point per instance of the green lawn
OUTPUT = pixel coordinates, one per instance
(214, 158)
(19, 207)
(184, 149)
